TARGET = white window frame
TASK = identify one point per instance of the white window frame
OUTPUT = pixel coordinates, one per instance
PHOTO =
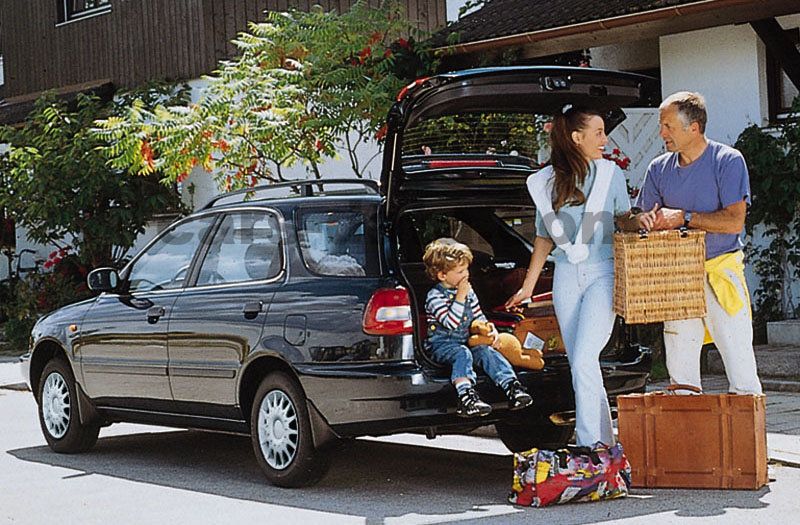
(66, 17)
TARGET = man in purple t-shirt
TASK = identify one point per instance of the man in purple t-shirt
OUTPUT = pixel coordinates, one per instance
(703, 184)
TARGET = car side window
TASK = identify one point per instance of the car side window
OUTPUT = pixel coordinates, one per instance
(339, 242)
(246, 247)
(165, 263)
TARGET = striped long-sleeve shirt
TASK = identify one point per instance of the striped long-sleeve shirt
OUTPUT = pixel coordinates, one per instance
(441, 307)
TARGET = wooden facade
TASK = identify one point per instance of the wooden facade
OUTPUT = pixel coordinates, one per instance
(140, 40)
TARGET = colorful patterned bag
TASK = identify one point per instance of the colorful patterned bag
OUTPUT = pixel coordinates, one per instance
(547, 477)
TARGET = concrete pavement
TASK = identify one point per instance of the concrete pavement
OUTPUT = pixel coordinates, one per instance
(783, 412)
(778, 366)
(140, 475)
(10, 374)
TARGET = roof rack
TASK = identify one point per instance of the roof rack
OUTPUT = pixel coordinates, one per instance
(303, 188)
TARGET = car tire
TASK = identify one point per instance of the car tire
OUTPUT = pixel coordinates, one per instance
(58, 411)
(280, 431)
(524, 434)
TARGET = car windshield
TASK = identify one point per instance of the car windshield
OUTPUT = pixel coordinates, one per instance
(516, 138)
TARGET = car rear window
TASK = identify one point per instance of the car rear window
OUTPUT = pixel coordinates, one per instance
(340, 242)
(508, 134)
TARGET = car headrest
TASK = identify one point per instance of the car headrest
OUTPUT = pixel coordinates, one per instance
(259, 259)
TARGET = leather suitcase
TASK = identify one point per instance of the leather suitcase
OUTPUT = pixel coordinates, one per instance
(694, 441)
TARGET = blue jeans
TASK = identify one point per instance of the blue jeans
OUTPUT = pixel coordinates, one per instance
(462, 359)
(583, 300)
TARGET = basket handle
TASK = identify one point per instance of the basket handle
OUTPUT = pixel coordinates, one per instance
(678, 386)
(683, 231)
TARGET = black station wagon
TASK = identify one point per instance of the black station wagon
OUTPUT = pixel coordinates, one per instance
(293, 312)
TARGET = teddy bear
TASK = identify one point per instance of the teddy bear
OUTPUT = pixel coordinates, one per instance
(510, 346)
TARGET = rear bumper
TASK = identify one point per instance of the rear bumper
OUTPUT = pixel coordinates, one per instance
(386, 398)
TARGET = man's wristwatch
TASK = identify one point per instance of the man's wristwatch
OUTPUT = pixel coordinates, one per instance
(687, 217)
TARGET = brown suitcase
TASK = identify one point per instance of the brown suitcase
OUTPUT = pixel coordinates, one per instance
(545, 328)
(694, 441)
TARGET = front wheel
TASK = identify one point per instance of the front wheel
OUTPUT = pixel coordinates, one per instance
(524, 434)
(58, 411)
(280, 431)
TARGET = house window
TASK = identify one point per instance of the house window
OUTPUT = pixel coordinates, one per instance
(69, 10)
(780, 89)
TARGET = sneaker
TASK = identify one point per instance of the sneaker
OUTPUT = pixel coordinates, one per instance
(470, 405)
(517, 396)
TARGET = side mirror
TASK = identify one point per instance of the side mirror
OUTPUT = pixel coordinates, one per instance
(103, 280)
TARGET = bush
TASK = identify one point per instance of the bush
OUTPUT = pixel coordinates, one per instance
(773, 160)
(25, 300)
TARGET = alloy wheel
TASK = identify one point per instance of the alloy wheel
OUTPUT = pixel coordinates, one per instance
(277, 429)
(56, 407)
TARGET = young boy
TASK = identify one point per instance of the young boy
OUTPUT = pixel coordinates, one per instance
(451, 306)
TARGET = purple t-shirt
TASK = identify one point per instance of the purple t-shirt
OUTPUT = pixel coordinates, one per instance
(714, 181)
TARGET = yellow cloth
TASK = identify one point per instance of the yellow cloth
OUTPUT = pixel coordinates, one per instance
(718, 271)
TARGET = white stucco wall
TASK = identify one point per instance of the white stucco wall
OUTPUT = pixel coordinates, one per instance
(627, 56)
(725, 64)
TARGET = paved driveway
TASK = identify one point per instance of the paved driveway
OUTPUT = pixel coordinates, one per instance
(141, 475)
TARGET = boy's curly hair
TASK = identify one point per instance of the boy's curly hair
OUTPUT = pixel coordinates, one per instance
(444, 254)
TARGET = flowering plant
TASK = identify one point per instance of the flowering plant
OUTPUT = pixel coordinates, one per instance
(624, 162)
(616, 155)
(63, 283)
(55, 257)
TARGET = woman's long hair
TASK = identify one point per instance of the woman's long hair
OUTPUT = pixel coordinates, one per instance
(569, 164)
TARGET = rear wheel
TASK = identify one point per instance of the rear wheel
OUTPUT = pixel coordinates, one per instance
(280, 431)
(58, 411)
(520, 434)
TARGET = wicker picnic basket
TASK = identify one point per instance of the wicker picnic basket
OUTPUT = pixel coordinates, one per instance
(659, 276)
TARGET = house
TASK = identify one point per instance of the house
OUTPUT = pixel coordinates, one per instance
(688, 44)
(743, 55)
(740, 53)
(71, 44)
(100, 46)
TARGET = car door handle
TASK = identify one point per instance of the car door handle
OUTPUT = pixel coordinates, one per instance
(251, 310)
(154, 313)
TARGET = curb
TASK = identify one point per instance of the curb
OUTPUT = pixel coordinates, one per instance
(783, 462)
(780, 385)
(19, 387)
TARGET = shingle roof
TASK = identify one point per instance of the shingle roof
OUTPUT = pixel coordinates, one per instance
(499, 18)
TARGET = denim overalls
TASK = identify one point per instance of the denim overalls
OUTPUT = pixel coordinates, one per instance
(450, 346)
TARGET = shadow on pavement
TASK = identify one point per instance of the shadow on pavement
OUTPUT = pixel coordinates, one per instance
(370, 479)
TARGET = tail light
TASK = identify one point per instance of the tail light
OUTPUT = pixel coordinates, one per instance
(388, 312)
(436, 164)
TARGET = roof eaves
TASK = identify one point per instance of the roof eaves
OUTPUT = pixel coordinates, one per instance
(590, 26)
